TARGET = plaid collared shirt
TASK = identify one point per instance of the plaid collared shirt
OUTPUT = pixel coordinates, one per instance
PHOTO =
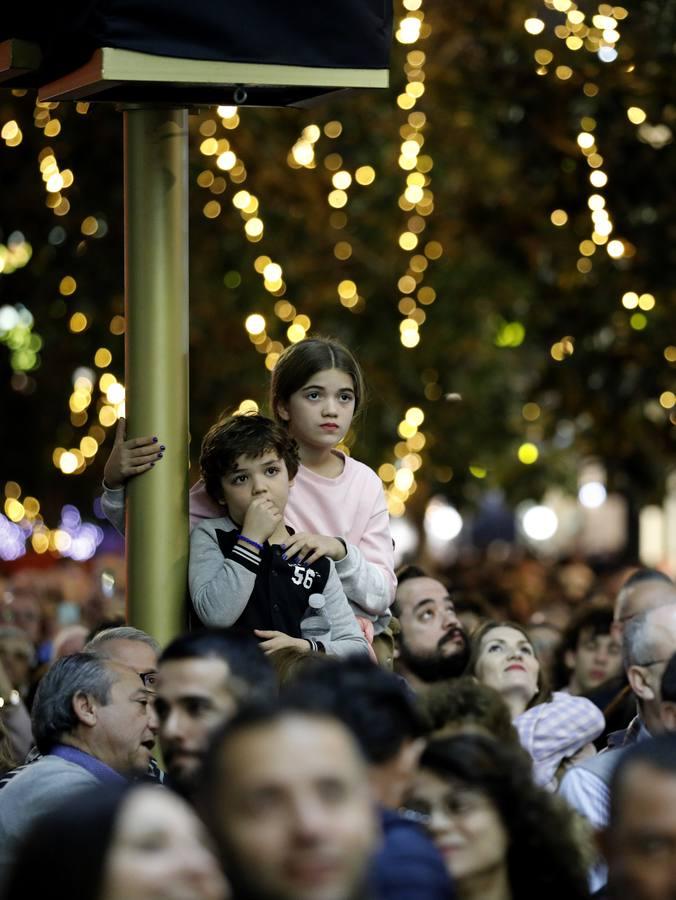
(554, 731)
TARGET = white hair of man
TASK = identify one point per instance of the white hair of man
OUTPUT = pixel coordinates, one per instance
(97, 645)
(640, 637)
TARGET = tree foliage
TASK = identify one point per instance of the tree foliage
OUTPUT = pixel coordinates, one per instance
(510, 288)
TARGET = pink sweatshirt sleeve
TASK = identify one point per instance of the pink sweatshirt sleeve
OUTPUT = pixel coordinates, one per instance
(367, 572)
(201, 505)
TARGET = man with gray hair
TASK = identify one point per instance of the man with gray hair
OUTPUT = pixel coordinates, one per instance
(93, 723)
(129, 646)
(138, 650)
(644, 590)
(648, 642)
(123, 644)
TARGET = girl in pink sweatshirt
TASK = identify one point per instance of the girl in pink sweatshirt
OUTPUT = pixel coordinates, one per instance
(336, 505)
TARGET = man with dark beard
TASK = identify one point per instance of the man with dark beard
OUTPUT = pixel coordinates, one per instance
(432, 644)
(204, 677)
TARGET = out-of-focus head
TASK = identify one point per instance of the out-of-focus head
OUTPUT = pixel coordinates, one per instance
(118, 842)
(640, 840)
(99, 706)
(645, 589)
(70, 639)
(478, 800)
(545, 638)
(17, 655)
(161, 849)
(129, 646)
(472, 610)
(432, 644)
(463, 819)
(21, 608)
(380, 711)
(289, 663)
(503, 658)
(285, 793)
(648, 642)
(464, 706)
(589, 654)
(576, 579)
(204, 677)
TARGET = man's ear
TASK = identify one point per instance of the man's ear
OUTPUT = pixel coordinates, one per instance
(84, 708)
(639, 683)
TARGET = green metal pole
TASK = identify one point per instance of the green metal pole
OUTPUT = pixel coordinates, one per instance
(156, 306)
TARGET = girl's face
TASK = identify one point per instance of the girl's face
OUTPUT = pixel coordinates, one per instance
(507, 662)
(160, 852)
(320, 412)
(463, 823)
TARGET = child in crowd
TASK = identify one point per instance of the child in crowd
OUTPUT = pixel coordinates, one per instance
(336, 504)
(588, 655)
(241, 571)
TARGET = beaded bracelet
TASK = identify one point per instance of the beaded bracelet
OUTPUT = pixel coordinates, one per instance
(249, 541)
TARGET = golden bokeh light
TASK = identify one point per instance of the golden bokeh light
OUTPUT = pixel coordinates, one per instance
(255, 323)
(78, 322)
(365, 175)
(67, 286)
(103, 358)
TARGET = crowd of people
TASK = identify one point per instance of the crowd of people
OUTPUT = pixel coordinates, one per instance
(330, 729)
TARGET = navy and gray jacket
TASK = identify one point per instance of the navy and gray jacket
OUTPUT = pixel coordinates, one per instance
(233, 586)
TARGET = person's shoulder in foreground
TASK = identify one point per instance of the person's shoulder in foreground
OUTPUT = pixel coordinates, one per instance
(408, 866)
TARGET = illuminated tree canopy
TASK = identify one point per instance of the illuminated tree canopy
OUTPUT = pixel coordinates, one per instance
(494, 236)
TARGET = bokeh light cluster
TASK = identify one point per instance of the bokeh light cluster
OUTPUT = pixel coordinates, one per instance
(22, 526)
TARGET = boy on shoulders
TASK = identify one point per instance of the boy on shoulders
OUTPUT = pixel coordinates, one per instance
(239, 572)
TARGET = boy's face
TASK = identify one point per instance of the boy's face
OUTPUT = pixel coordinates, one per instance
(255, 476)
(597, 658)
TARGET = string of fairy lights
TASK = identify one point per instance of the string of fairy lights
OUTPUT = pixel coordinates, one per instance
(97, 399)
(225, 160)
(24, 520)
(416, 202)
(398, 476)
(598, 34)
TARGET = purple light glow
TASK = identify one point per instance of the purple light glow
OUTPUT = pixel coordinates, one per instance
(12, 540)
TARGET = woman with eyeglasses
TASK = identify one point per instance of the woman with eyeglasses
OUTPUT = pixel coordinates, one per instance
(501, 836)
(554, 728)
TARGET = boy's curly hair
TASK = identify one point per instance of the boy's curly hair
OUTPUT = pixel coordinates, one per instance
(244, 435)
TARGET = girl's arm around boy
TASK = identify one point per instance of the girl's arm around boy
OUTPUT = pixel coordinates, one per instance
(346, 635)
